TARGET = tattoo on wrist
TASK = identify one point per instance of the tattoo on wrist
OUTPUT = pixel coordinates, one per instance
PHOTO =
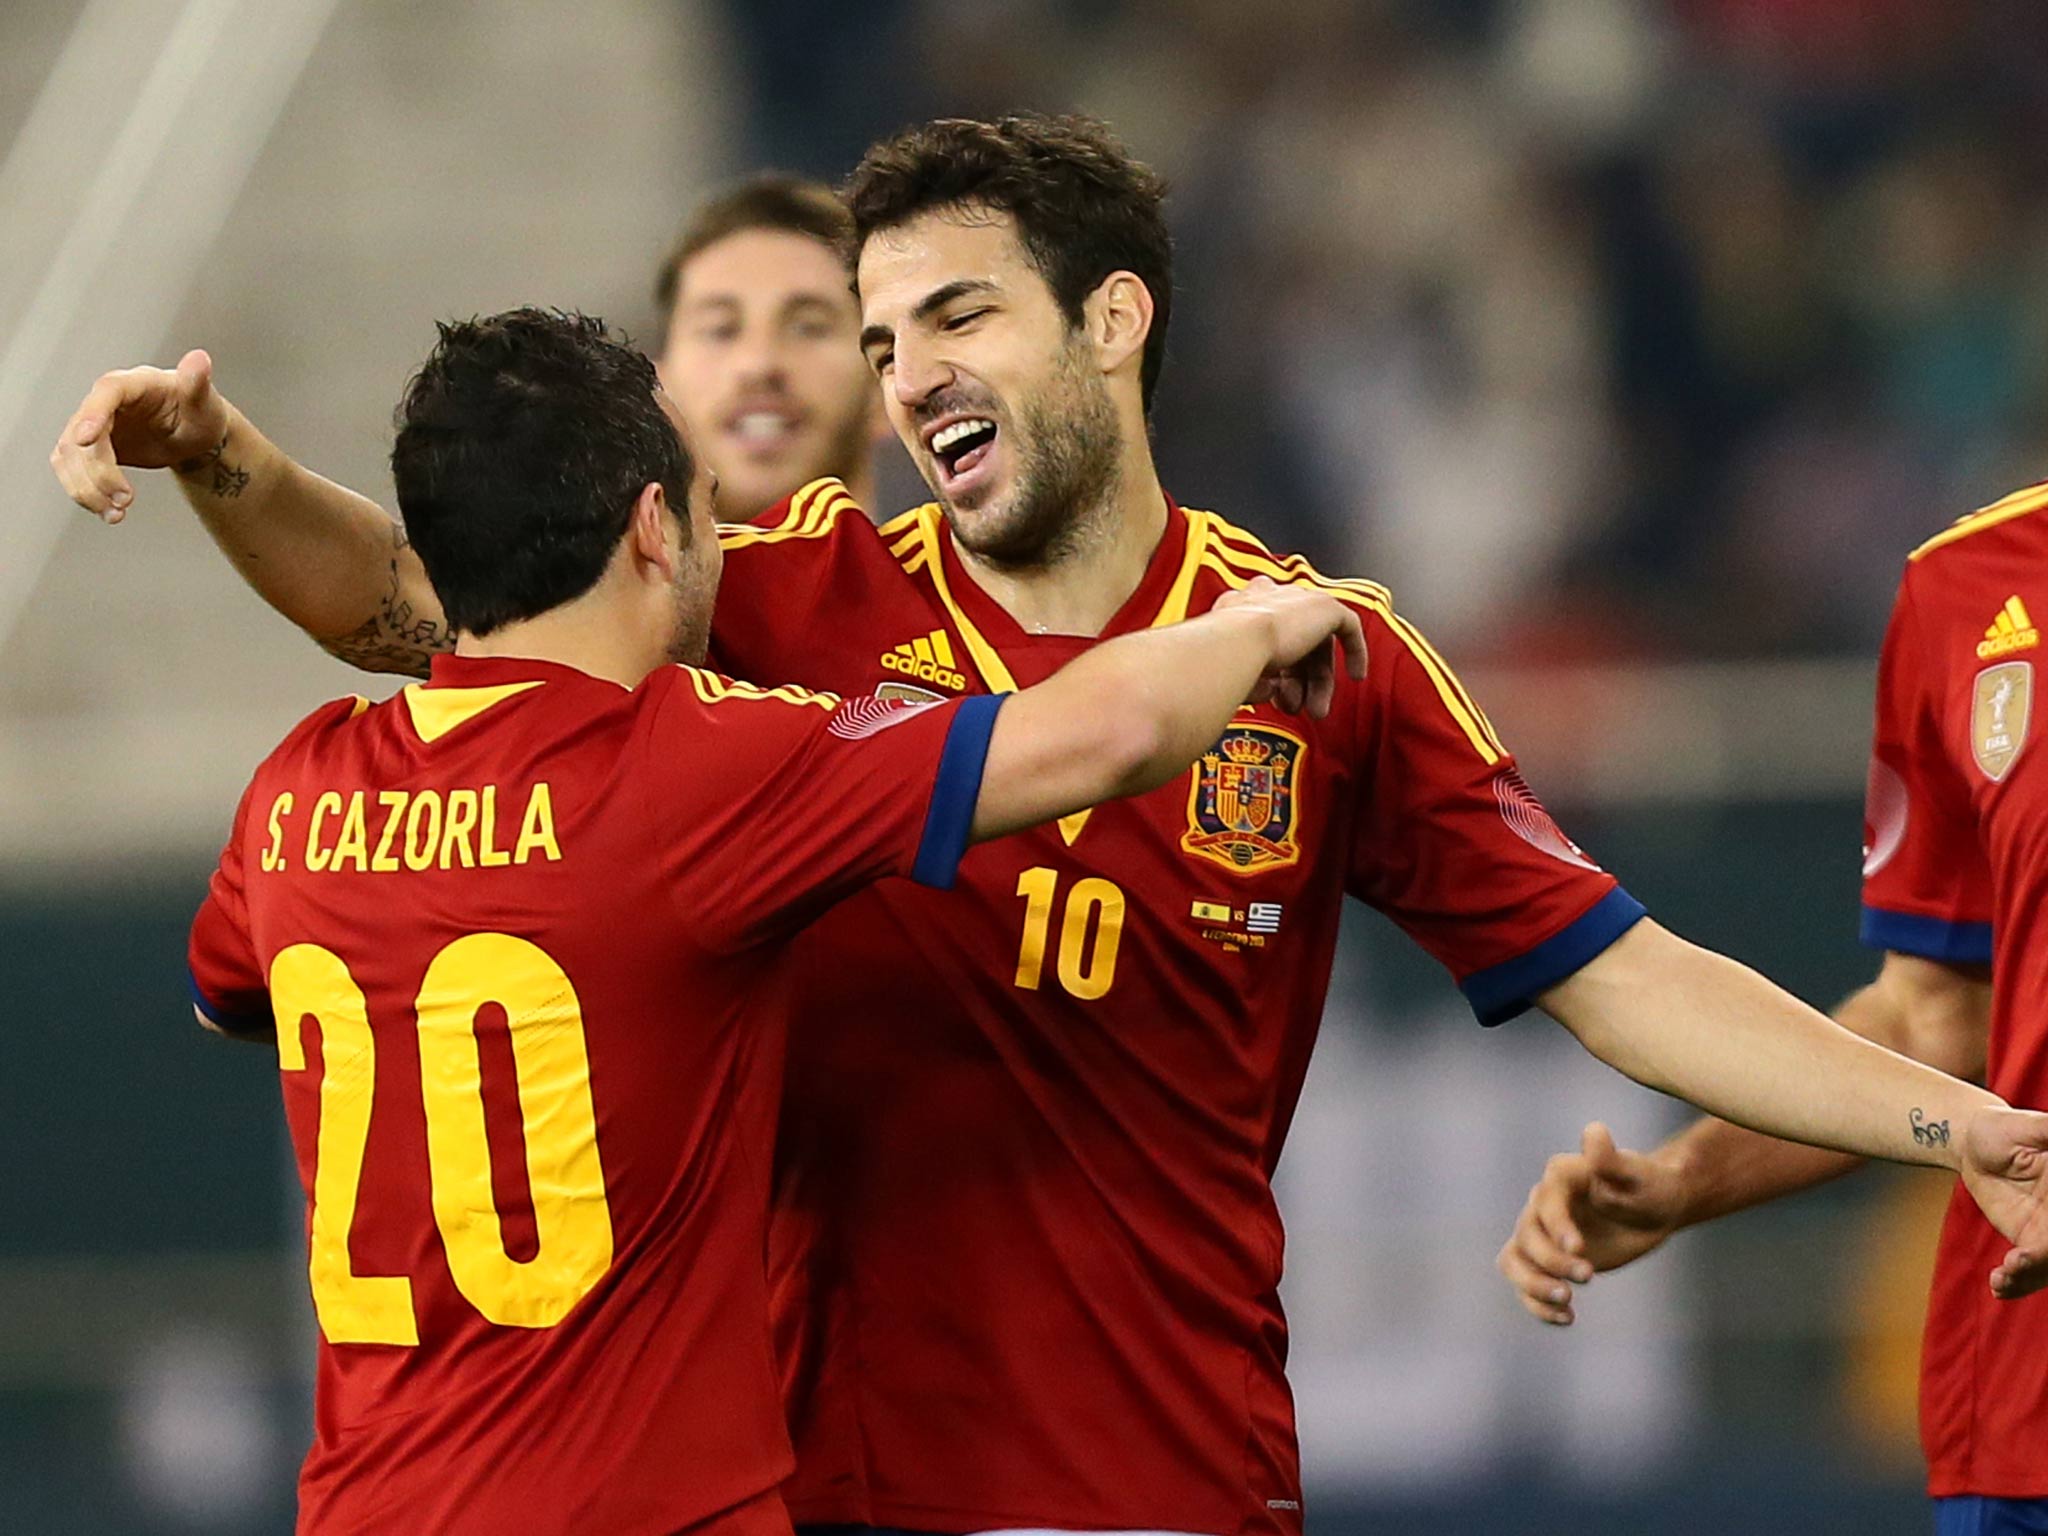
(396, 638)
(1928, 1133)
(225, 480)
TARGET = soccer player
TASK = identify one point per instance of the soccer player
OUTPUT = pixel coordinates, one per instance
(1953, 893)
(519, 935)
(1025, 1250)
(759, 349)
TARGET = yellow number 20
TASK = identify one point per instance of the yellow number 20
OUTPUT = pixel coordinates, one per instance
(558, 1125)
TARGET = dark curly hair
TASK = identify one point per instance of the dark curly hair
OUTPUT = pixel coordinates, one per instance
(1083, 207)
(523, 442)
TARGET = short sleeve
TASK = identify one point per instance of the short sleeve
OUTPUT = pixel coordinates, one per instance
(778, 802)
(228, 985)
(1926, 884)
(1452, 844)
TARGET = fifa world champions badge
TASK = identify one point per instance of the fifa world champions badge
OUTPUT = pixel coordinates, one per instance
(1244, 802)
(2001, 710)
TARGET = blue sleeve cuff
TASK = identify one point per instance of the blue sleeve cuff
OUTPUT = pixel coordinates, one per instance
(230, 1019)
(1501, 991)
(954, 793)
(1930, 938)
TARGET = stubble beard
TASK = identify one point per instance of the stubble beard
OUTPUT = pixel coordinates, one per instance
(1068, 452)
(690, 634)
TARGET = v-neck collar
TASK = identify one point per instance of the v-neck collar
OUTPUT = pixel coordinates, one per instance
(987, 628)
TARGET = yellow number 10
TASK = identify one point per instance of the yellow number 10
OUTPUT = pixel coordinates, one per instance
(558, 1126)
(1092, 904)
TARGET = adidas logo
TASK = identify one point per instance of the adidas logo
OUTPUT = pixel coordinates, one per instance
(929, 659)
(2011, 631)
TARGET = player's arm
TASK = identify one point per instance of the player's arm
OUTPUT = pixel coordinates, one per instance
(1131, 714)
(227, 981)
(327, 559)
(808, 794)
(1698, 1025)
(1602, 1207)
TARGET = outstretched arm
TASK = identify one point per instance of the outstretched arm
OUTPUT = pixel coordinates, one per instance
(1602, 1207)
(1696, 1024)
(1133, 713)
(327, 559)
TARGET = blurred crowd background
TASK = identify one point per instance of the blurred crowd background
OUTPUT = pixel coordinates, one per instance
(1632, 342)
(1593, 327)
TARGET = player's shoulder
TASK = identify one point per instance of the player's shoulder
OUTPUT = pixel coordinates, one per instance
(1228, 555)
(816, 516)
(324, 724)
(728, 730)
(705, 689)
(1400, 659)
(316, 739)
(1991, 531)
(1976, 571)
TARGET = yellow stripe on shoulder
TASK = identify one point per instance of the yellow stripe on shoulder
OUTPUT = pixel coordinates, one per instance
(905, 522)
(713, 689)
(813, 511)
(911, 535)
(1233, 540)
(2031, 499)
(1237, 565)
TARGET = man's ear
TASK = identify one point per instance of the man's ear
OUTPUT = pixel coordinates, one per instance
(1118, 315)
(647, 534)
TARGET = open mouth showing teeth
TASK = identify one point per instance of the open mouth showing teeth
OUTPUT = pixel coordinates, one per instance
(959, 446)
(762, 427)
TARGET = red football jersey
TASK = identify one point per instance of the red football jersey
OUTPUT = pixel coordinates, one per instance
(522, 932)
(1956, 869)
(1025, 1252)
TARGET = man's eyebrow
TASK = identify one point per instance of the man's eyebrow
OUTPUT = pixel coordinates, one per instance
(936, 300)
(712, 301)
(812, 301)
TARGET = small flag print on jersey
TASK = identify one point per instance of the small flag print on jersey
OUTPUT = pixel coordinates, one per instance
(1262, 917)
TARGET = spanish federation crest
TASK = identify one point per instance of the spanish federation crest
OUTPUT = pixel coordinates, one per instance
(1243, 803)
(2002, 707)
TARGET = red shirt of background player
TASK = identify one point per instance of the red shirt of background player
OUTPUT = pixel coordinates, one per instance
(1025, 1254)
(522, 932)
(1956, 869)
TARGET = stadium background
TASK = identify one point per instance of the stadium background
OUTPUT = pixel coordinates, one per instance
(1632, 343)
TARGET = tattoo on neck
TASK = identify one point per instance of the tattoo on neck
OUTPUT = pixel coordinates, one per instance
(1928, 1133)
(227, 481)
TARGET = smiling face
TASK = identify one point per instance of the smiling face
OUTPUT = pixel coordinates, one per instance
(762, 360)
(1003, 405)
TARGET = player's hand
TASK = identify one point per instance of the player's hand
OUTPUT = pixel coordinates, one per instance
(1593, 1210)
(144, 418)
(1301, 675)
(2005, 1158)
